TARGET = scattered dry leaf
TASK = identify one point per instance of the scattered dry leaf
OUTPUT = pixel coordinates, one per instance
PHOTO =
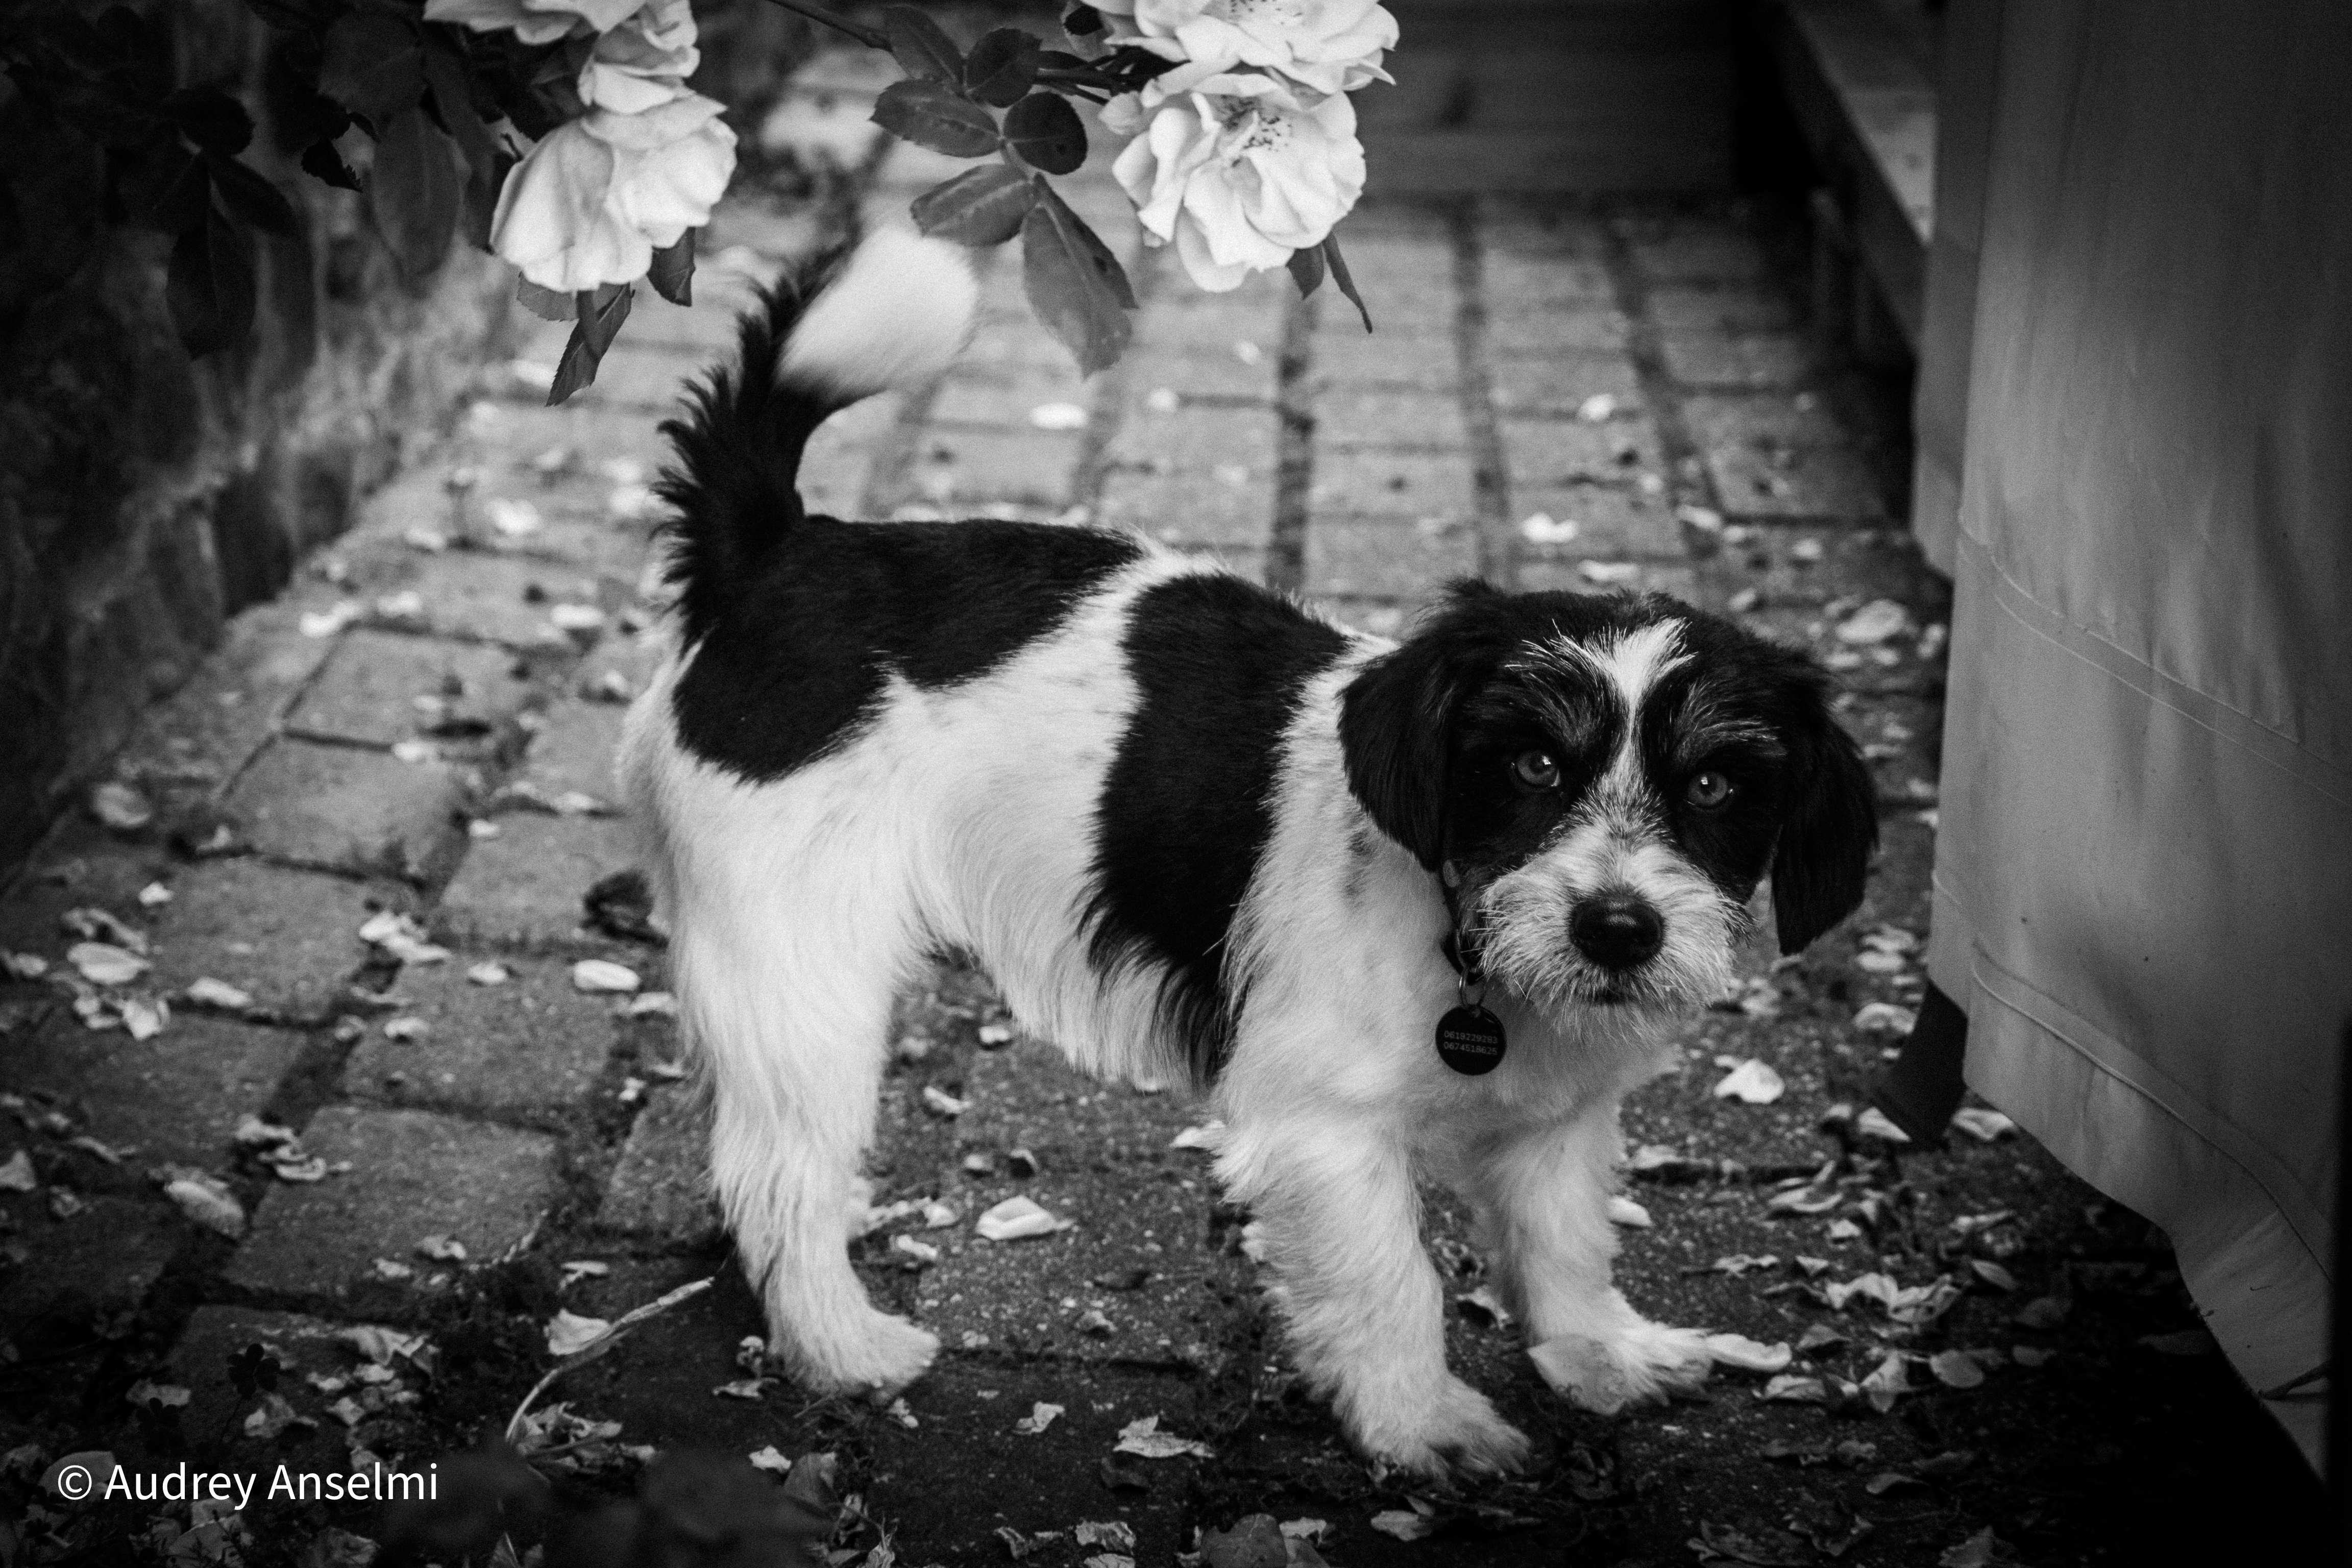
(1992, 1274)
(1142, 1436)
(400, 936)
(272, 1416)
(1483, 1305)
(205, 1199)
(1016, 1219)
(1403, 1523)
(1752, 1082)
(2043, 1312)
(209, 993)
(1984, 1126)
(1978, 1551)
(104, 963)
(1041, 1415)
(1875, 1123)
(1889, 1383)
(1885, 1018)
(602, 975)
(569, 1332)
(1876, 622)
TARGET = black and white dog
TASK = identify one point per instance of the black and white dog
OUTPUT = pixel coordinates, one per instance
(1191, 829)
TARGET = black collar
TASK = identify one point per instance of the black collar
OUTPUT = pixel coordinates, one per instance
(1459, 949)
(1467, 961)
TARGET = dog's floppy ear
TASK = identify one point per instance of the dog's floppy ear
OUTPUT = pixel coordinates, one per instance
(1396, 719)
(1824, 855)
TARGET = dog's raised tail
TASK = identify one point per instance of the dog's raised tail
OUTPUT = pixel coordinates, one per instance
(887, 314)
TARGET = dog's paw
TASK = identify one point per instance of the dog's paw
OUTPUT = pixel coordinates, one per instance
(888, 1354)
(1643, 1364)
(1457, 1433)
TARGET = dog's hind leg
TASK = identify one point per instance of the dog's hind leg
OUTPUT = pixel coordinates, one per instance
(785, 976)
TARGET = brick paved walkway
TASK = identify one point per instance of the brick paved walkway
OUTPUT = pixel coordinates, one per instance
(1575, 399)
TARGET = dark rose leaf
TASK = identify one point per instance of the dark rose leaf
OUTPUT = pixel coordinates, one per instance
(931, 116)
(478, 206)
(1001, 66)
(210, 118)
(545, 303)
(922, 50)
(298, 16)
(1075, 284)
(181, 191)
(297, 112)
(414, 190)
(1307, 269)
(374, 65)
(445, 72)
(599, 322)
(979, 207)
(209, 287)
(1047, 133)
(321, 162)
(252, 199)
(1338, 266)
(672, 275)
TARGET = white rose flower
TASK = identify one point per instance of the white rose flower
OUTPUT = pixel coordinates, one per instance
(644, 61)
(592, 202)
(673, 165)
(532, 21)
(1324, 46)
(1241, 173)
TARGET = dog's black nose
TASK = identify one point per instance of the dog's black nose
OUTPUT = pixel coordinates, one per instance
(1616, 932)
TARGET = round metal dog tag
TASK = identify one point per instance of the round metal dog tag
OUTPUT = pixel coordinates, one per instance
(1470, 1040)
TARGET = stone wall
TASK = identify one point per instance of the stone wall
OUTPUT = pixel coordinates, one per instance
(144, 499)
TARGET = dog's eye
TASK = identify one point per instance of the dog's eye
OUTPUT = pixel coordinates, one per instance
(1707, 791)
(1537, 769)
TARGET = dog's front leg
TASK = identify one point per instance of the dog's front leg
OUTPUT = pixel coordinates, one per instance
(1363, 1304)
(1543, 1216)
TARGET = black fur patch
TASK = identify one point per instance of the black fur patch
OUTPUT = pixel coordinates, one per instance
(793, 665)
(1220, 665)
(1429, 729)
(1802, 799)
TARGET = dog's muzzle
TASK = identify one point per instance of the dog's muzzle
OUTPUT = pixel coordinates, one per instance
(1616, 932)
